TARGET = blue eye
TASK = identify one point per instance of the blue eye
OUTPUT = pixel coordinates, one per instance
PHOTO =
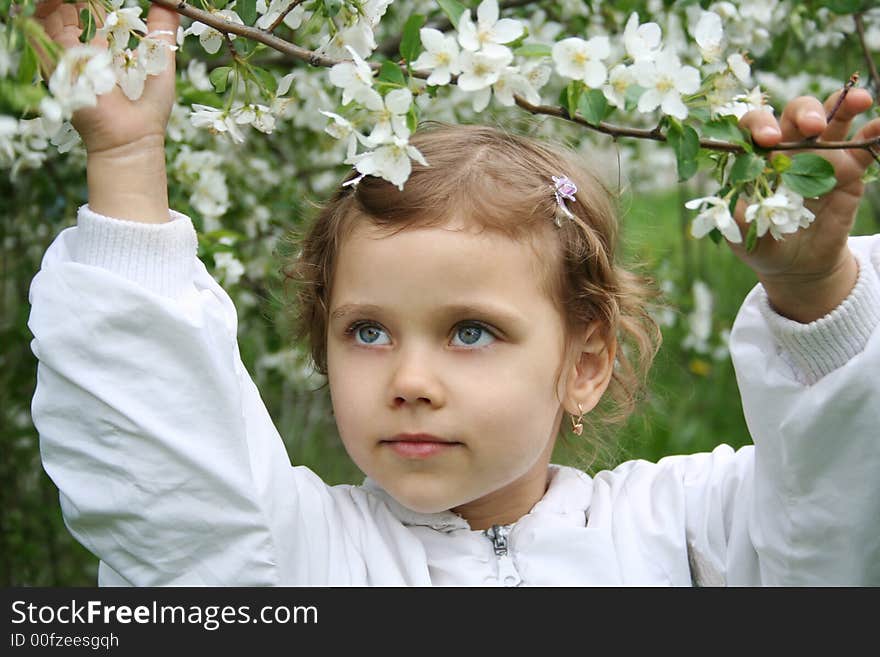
(472, 335)
(369, 334)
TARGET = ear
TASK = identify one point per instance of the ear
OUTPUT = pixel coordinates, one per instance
(591, 365)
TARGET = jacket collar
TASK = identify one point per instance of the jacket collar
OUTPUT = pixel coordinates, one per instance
(568, 494)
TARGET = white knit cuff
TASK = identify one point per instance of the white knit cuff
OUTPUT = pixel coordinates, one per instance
(815, 349)
(158, 257)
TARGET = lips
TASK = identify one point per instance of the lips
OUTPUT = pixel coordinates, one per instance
(419, 445)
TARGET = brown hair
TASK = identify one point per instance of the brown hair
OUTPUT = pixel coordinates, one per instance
(501, 182)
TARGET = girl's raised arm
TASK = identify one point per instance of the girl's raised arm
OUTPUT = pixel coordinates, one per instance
(124, 139)
(169, 467)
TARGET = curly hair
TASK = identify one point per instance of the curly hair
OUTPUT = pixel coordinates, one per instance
(502, 182)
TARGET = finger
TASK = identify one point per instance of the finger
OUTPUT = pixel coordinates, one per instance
(763, 127)
(803, 117)
(856, 102)
(45, 7)
(99, 14)
(162, 25)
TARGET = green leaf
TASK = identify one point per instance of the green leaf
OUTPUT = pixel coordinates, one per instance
(390, 72)
(452, 9)
(412, 118)
(809, 175)
(330, 8)
(732, 204)
(631, 97)
(190, 95)
(88, 33)
(219, 78)
(752, 237)
(848, 6)
(746, 168)
(686, 143)
(780, 163)
(27, 65)
(17, 98)
(247, 10)
(593, 106)
(534, 50)
(410, 43)
(571, 96)
(266, 79)
(725, 129)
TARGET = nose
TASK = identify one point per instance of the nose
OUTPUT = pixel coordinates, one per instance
(415, 380)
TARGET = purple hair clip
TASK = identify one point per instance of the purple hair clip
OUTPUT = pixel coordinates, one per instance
(564, 190)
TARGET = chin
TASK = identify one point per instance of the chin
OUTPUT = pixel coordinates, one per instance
(423, 498)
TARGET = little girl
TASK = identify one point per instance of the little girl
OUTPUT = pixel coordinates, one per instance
(458, 321)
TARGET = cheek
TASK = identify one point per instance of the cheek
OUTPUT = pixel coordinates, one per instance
(350, 393)
(513, 396)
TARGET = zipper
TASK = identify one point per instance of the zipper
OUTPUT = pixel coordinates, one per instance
(507, 573)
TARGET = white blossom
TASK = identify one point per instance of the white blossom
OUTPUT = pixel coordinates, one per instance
(197, 73)
(391, 117)
(642, 42)
(342, 129)
(82, 74)
(714, 212)
(740, 68)
(489, 32)
(513, 81)
(8, 131)
(665, 81)
(440, 56)
(480, 70)
(781, 214)
(537, 75)
(709, 35)
(620, 79)
(65, 137)
(217, 121)
(756, 99)
(154, 55)
(700, 319)
(355, 78)
(129, 73)
(118, 26)
(542, 30)
(582, 60)
(390, 161)
(259, 116)
(210, 38)
(270, 14)
(229, 267)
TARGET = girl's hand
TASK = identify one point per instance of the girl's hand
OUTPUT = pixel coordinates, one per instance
(117, 122)
(812, 271)
(125, 139)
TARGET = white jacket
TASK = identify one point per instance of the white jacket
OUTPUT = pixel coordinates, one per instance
(172, 473)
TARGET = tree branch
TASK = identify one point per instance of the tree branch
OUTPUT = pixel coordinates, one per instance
(315, 59)
(253, 33)
(711, 144)
(872, 67)
(277, 22)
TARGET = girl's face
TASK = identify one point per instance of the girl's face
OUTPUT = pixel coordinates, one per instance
(443, 353)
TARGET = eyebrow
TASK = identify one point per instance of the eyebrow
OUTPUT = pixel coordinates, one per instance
(495, 313)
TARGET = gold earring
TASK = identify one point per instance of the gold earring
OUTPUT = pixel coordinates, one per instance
(577, 426)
